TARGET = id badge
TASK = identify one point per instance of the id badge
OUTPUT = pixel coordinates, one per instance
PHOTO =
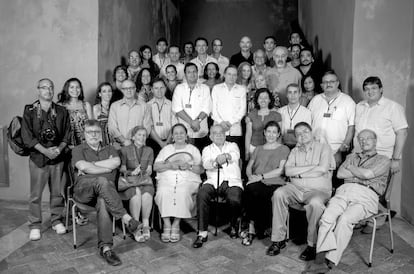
(327, 115)
(187, 105)
(159, 124)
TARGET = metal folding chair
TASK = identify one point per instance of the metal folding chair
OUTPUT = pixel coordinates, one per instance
(83, 207)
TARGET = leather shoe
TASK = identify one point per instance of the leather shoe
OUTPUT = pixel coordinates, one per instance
(199, 241)
(233, 233)
(275, 248)
(308, 254)
(110, 257)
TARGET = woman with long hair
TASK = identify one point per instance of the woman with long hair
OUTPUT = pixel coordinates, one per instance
(101, 109)
(145, 52)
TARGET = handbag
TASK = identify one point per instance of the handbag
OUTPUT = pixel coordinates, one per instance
(127, 180)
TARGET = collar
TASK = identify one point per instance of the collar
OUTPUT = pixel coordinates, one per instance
(366, 154)
(303, 148)
(380, 102)
(124, 101)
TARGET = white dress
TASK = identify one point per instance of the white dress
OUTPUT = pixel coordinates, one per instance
(177, 189)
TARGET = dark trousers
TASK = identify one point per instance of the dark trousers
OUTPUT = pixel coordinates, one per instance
(258, 203)
(101, 193)
(200, 143)
(205, 196)
(39, 177)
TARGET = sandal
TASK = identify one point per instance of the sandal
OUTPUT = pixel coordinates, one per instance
(166, 235)
(175, 235)
(248, 240)
(81, 219)
(146, 232)
(138, 236)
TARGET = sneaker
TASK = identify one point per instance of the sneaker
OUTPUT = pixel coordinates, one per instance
(275, 248)
(35, 234)
(110, 257)
(59, 228)
(138, 236)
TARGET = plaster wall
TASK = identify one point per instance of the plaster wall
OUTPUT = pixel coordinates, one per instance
(328, 27)
(230, 20)
(48, 38)
(382, 46)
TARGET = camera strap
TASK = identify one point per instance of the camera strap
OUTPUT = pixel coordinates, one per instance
(51, 115)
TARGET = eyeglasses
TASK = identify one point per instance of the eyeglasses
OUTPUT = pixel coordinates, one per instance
(92, 132)
(329, 82)
(128, 88)
(300, 134)
(365, 139)
(45, 87)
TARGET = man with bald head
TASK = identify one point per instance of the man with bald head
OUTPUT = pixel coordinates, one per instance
(365, 176)
(127, 113)
(245, 55)
(259, 67)
(224, 155)
(281, 75)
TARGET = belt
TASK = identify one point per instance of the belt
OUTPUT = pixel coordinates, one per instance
(368, 186)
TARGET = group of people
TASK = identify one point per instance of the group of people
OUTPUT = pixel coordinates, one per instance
(257, 129)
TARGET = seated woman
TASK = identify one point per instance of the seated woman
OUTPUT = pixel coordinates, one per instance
(136, 184)
(258, 118)
(101, 109)
(264, 172)
(211, 75)
(178, 168)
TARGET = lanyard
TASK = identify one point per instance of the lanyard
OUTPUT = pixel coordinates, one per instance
(366, 160)
(292, 116)
(331, 102)
(191, 91)
(159, 109)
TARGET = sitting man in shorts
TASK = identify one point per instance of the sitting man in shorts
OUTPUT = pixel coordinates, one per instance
(96, 169)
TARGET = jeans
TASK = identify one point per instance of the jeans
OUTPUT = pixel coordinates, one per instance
(102, 193)
(39, 176)
(207, 192)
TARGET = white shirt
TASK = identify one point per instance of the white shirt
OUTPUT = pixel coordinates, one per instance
(223, 62)
(384, 118)
(330, 121)
(229, 105)
(230, 172)
(179, 67)
(291, 117)
(192, 102)
(160, 62)
(200, 65)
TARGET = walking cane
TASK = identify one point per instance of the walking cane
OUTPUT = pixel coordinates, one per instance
(217, 194)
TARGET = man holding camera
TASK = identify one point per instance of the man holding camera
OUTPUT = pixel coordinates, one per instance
(45, 131)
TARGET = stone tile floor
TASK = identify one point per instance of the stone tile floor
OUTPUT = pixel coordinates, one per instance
(55, 254)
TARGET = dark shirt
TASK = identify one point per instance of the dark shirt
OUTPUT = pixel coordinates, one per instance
(36, 122)
(316, 73)
(86, 153)
(270, 62)
(131, 157)
(238, 58)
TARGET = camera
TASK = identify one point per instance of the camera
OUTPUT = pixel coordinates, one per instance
(48, 135)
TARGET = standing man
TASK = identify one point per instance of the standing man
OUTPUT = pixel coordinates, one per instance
(127, 113)
(309, 167)
(46, 131)
(269, 45)
(365, 175)
(191, 103)
(201, 46)
(245, 55)
(308, 67)
(388, 119)
(174, 54)
(224, 155)
(280, 76)
(222, 61)
(229, 106)
(161, 58)
(96, 169)
(333, 115)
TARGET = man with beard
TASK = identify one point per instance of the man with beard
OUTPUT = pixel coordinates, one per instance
(279, 77)
(308, 67)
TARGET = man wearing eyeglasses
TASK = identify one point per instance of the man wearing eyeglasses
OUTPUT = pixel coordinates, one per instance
(127, 113)
(333, 114)
(46, 132)
(222, 61)
(365, 175)
(96, 167)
